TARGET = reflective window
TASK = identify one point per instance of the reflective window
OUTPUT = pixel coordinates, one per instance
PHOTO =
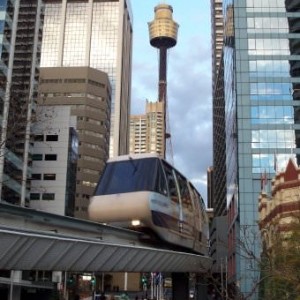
(266, 6)
(269, 68)
(184, 192)
(272, 115)
(270, 91)
(75, 34)
(134, 175)
(262, 163)
(51, 34)
(273, 139)
(267, 25)
(270, 162)
(268, 47)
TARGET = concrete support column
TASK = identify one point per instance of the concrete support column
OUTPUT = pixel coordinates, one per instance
(180, 286)
(15, 290)
(200, 288)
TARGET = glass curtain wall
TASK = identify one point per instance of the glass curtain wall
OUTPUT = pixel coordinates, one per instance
(261, 81)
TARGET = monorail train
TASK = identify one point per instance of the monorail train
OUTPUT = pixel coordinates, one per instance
(145, 193)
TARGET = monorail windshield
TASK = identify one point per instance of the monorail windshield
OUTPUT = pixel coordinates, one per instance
(131, 176)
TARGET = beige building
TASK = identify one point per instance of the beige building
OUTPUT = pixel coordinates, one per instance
(278, 211)
(147, 131)
(87, 91)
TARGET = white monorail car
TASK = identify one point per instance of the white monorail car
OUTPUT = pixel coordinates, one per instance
(145, 193)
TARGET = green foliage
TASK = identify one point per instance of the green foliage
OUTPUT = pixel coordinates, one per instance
(280, 267)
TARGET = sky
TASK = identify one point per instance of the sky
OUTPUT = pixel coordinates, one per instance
(188, 82)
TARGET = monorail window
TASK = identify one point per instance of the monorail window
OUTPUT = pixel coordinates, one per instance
(184, 192)
(132, 175)
(171, 183)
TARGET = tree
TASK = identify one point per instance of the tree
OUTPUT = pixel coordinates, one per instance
(276, 269)
(280, 265)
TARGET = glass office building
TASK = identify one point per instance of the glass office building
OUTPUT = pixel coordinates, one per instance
(97, 34)
(262, 120)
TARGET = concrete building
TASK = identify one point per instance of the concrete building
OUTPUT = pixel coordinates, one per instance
(54, 166)
(257, 89)
(147, 131)
(96, 34)
(21, 33)
(87, 92)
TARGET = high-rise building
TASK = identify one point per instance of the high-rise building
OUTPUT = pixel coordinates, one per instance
(147, 131)
(96, 34)
(21, 33)
(218, 182)
(87, 92)
(260, 78)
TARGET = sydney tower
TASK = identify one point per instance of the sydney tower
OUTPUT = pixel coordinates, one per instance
(163, 35)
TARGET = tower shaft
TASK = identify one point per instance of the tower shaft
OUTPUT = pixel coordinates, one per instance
(162, 84)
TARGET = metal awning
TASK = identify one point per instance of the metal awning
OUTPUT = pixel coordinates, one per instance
(21, 250)
(33, 240)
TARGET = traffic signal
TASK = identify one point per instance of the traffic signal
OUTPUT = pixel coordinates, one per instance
(144, 279)
(93, 281)
(70, 281)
